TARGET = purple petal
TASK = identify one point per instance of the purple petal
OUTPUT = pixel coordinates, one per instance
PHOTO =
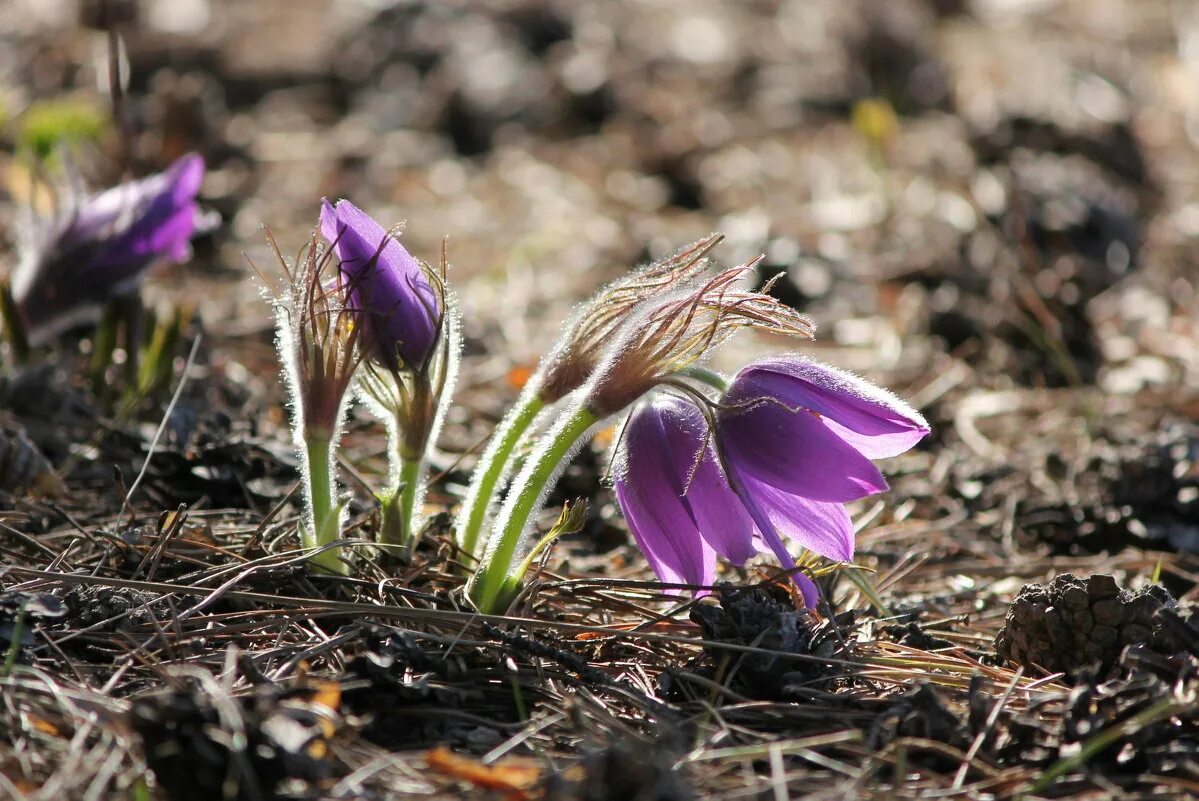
(822, 527)
(328, 221)
(387, 284)
(807, 588)
(163, 220)
(868, 417)
(791, 449)
(101, 249)
(168, 237)
(649, 488)
(187, 174)
(717, 511)
(722, 519)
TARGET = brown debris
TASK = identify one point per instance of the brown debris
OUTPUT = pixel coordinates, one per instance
(1072, 624)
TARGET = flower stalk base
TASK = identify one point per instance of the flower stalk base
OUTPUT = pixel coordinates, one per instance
(493, 465)
(324, 526)
(497, 579)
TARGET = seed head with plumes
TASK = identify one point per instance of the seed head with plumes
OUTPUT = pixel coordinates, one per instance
(680, 330)
(319, 341)
(597, 321)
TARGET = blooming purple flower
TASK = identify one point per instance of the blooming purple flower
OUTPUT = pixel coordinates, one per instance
(398, 307)
(102, 246)
(797, 438)
(674, 496)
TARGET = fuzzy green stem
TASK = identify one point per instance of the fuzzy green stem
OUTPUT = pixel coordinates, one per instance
(392, 525)
(493, 583)
(706, 376)
(491, 468)
(411, 476)
(323, 526)
(399, 513)
(408, 437)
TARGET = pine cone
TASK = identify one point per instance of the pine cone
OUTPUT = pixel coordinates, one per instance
(1074, 623)
(90, 605)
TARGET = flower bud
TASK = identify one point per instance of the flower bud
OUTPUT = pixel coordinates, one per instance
(392, 295)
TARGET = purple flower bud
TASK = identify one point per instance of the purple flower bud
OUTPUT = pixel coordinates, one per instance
(797, 438)
(101, 248)
(397, 305)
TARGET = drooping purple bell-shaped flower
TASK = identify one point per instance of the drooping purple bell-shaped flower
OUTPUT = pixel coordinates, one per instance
(397, 305)
(798, 437)
(674, 496)
(101, 246)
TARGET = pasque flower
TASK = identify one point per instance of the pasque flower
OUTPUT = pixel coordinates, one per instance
(792, 443)
(674, 495)
(797, 439)
(98, 247)
(391, 291)
(664, 337)
(405, 311)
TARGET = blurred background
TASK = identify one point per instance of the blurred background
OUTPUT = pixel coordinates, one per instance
(1004, 192)
(989, 206)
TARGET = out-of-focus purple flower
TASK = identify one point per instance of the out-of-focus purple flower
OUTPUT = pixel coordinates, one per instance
(674, 496)
(100, 247)
(797, 438)
(397, 305)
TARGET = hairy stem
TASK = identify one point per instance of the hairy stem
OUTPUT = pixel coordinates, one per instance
(323, 525)
(399, 508)
(493, 581)
(492, 467)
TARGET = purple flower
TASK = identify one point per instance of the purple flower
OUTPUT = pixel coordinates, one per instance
(398, 307)
(101, 248)
(674, 496)
(797, 438)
